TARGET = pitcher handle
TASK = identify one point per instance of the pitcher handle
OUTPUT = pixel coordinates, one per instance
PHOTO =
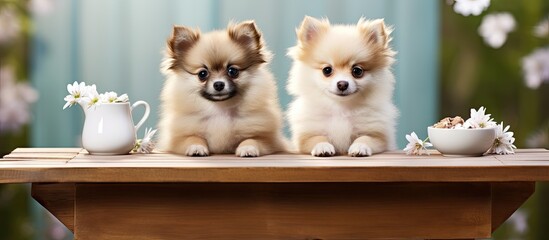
(145, 116)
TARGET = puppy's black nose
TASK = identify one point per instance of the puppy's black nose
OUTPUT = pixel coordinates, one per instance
(342, 85)
(218, 86)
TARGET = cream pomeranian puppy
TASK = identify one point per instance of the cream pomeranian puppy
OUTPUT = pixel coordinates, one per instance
(219, 96)
(343, 88)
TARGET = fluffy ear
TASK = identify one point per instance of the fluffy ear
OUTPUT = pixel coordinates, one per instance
(311, 28)
(375, 31)
(181, 40)
(245, 34)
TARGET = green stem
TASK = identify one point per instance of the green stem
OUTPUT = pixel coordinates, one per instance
(424, 141)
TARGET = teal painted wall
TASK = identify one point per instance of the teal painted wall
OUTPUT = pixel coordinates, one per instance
(117, 45)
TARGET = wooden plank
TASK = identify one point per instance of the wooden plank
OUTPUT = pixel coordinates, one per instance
(282, 211)
(61, 173)
(47, 150)
(58, 199)
(293, 157)
(386, 167)
(39, 156)
(523, 157)
(531, 150)
(34, 154)
(247, 163)
(275, 161)
(507, 197)
(14, 163)
(31, 161)
(526, 163)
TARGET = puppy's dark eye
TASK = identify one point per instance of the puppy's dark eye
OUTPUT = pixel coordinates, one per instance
(357, 72)
(203, 75)
(232, 72)
(327, 71)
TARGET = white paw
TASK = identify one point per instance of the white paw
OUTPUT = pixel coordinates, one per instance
(247, 151)
(323, 149)
(197, 150)
(359, 150)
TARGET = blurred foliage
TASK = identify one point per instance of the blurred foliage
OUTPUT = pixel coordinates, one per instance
(474, 74)
(20, 218)
(15, 53)
(15, 220)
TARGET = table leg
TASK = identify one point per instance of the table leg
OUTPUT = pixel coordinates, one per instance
(507, 197)
(58, 199)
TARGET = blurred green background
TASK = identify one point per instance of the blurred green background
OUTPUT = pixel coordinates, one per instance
(473, 74)
(443, 68)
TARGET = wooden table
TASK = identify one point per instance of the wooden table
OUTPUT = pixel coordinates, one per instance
(164, 196)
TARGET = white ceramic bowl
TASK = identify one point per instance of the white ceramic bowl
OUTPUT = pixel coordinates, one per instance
(462, 142)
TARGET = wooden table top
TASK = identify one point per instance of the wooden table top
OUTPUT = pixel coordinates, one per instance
(75, 165)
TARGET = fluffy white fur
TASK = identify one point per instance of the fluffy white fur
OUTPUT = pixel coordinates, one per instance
(248, 124)
(362, 121)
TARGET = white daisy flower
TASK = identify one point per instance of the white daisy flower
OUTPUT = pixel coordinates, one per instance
(504, 141)
(415, 145)
(122, 98)
(495, 27)
(536, 68)
(92, 98)
(471, 7)
(147, 144)
(109, 97)
(479, 119)
(77, 92)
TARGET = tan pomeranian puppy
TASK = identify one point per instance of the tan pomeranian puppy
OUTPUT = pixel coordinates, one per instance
(219, 96)
(343, 88)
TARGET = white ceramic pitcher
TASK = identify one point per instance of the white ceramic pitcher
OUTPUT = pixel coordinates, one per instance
(108, 128)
